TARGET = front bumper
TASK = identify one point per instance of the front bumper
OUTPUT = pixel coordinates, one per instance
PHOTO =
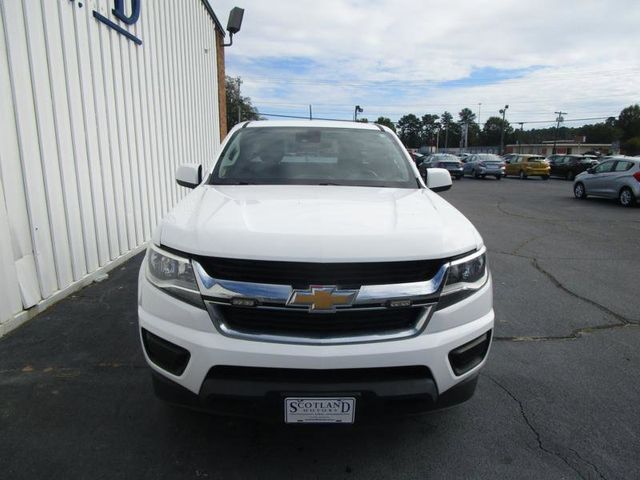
(263, 399)
(191, 328)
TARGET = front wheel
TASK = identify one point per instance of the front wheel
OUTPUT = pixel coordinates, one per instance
(476, 175)
(627, 198)
(571, 176)
(523, 176)
(579, 191)
(498, 177)
(545, 177)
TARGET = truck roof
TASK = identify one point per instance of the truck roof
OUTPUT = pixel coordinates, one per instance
(312, 123)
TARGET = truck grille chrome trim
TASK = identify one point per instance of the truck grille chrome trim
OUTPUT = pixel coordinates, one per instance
(369, 317)
(222, 291)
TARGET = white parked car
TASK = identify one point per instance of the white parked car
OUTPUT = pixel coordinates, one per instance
(313, 276)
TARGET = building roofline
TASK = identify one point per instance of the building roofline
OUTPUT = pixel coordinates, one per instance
(213, 16)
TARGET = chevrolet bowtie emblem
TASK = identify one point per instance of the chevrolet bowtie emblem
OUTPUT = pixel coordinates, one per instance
(322, 299)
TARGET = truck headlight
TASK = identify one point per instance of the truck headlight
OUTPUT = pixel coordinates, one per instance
(173, 274)
(465, 276)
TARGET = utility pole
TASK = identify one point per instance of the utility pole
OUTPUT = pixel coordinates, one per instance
(465, 136)
(520, 136)
(437, 137)
(503, 111)
(555, 136)
(479, 107)
(310, 113)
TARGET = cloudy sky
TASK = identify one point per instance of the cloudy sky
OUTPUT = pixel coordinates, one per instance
(397, 57)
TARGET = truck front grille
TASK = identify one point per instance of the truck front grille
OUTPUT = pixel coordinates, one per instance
(303, 274)
(296, 323)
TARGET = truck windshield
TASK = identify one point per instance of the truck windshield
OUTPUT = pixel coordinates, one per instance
(313, 156)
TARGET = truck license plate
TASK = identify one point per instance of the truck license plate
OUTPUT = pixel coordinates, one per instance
(319, 410)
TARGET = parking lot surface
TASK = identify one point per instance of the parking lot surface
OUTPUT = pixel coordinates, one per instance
(558, 397)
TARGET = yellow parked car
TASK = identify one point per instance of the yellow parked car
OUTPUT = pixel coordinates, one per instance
(525, 166)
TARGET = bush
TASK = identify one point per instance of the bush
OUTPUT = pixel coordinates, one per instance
(631, 146)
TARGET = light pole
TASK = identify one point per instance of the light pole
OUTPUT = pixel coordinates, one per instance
(479, 107)
(437, 136)
(555, 135)
(503, 111)
(356, 111)
(520, 136)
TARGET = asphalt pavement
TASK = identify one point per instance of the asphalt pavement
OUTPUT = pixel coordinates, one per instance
(558, 398)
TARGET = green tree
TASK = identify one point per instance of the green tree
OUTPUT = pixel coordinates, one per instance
(451, 130)
(631, 146)
(410, 130)
(430, 128)
(466, 116)
(629, 122)
(237, 103)
(386, 122)
(492, 131)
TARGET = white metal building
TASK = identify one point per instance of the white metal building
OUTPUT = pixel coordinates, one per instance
(100, 100)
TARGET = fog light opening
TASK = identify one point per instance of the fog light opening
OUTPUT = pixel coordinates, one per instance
(164, 354)
(470, 355)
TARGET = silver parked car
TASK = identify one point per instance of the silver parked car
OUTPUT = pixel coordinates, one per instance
(616, 177)
(482, 164)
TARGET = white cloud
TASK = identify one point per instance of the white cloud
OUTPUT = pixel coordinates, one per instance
(585, 55)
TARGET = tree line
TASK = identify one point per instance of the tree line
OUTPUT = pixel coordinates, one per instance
(428, 129)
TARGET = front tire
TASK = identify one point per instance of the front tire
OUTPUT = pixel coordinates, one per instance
(545, 177)
(626, 197)
(571, 176)
(498, 177)
(523, 176)
(579, 191)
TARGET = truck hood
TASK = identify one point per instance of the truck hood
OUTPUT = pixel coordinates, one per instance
(316, 223)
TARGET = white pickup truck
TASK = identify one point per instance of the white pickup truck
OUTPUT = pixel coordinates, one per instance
(313, 276)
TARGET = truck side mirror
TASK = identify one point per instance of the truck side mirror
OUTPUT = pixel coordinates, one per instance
(439, 179)
(189, 175)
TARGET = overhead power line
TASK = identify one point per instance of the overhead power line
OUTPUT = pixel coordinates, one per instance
(302, 117)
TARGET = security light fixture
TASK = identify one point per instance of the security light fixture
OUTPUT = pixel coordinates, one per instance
(234, 23)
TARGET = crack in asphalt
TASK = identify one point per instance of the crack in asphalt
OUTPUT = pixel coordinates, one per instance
(622, 321)
(574, 335)
(593, 465)
(538, 437)
(621, 318)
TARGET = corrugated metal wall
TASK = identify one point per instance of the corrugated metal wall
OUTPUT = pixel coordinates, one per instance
(92, 128)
